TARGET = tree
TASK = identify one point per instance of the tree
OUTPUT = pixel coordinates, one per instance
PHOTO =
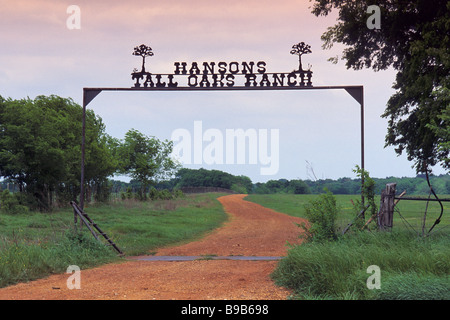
(277, 186)
(300, 49)
(244, 182)
(299, 187)
(441, 125)
(212, 178)
(145, 159)
(414, 40)
(40, 148)
(143, 51)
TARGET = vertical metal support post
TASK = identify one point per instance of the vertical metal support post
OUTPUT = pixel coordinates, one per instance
(83, 146)
(357, 92)
(88, 96)
(362, 141)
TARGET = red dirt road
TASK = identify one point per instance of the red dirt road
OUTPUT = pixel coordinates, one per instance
(252, 230)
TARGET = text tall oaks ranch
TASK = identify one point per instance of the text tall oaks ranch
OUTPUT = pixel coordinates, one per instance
(221, 74)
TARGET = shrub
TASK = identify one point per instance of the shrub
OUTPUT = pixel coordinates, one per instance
(368, 191)
(321, 214)
(177, 193)
(10, 203)
(165, 194)
(238, 188)
(153, 193)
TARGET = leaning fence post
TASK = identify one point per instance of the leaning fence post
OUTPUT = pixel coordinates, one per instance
(386, 213)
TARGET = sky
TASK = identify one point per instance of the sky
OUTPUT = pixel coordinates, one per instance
(49, 48)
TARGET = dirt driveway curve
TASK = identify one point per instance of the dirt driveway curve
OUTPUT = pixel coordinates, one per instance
(252, 230)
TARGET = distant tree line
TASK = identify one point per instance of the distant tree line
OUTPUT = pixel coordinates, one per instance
(282, 186)
(242, 184)
(412, 185)
(207, 178)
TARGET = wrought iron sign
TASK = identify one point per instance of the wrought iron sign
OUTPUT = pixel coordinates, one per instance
(222, 74)
(219, 76)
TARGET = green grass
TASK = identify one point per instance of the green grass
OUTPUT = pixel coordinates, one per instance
(138, 227)
(34, 245)
(409, 215)
(412, 267)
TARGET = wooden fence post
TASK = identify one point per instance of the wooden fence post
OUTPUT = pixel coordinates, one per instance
(386, 213)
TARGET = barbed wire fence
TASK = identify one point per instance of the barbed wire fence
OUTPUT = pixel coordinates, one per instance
(420, 215)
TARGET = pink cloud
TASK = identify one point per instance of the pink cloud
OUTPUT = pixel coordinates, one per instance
(34, 35)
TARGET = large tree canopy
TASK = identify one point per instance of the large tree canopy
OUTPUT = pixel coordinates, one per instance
(40, 148)
(145, 159)
(414, 39)
(40, 151)
(212, 178)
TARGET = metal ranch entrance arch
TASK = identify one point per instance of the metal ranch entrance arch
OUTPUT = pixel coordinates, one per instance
(221, 76)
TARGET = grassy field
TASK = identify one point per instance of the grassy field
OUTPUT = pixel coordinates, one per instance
(409, 214)
(34, 245)
(411, 267)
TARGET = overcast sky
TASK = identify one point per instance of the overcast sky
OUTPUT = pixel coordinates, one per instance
(318, 129)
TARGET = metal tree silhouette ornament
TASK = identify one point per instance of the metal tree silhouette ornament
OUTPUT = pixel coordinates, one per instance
(143, 51)
(300, 49)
